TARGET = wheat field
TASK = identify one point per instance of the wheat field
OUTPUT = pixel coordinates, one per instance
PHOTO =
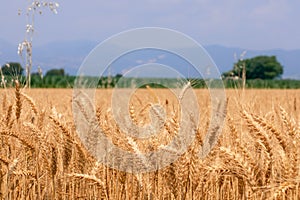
(257, 155)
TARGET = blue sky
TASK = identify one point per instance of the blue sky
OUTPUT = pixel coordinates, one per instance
(255, 24)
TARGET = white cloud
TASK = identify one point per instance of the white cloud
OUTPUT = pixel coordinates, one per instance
(271, 11)
(162, 56)
(152, 60)
(139, 61)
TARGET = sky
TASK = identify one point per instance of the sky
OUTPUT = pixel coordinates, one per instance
(255, 24)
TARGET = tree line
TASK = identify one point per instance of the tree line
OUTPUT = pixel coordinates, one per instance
(257, 72)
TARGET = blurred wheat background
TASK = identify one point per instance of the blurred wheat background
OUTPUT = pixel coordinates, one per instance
(256, 157)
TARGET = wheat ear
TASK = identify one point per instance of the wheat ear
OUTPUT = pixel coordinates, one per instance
(18, 99)
(31, 103)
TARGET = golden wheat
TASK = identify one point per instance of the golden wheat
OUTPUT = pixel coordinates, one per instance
(256, 156)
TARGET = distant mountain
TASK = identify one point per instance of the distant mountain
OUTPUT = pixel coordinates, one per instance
(70, 54)
(67, 54)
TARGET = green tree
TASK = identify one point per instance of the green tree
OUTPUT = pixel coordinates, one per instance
(260, 67)
(55, 72)
(12, 69)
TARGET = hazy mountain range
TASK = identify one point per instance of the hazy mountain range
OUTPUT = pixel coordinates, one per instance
(70, 54)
